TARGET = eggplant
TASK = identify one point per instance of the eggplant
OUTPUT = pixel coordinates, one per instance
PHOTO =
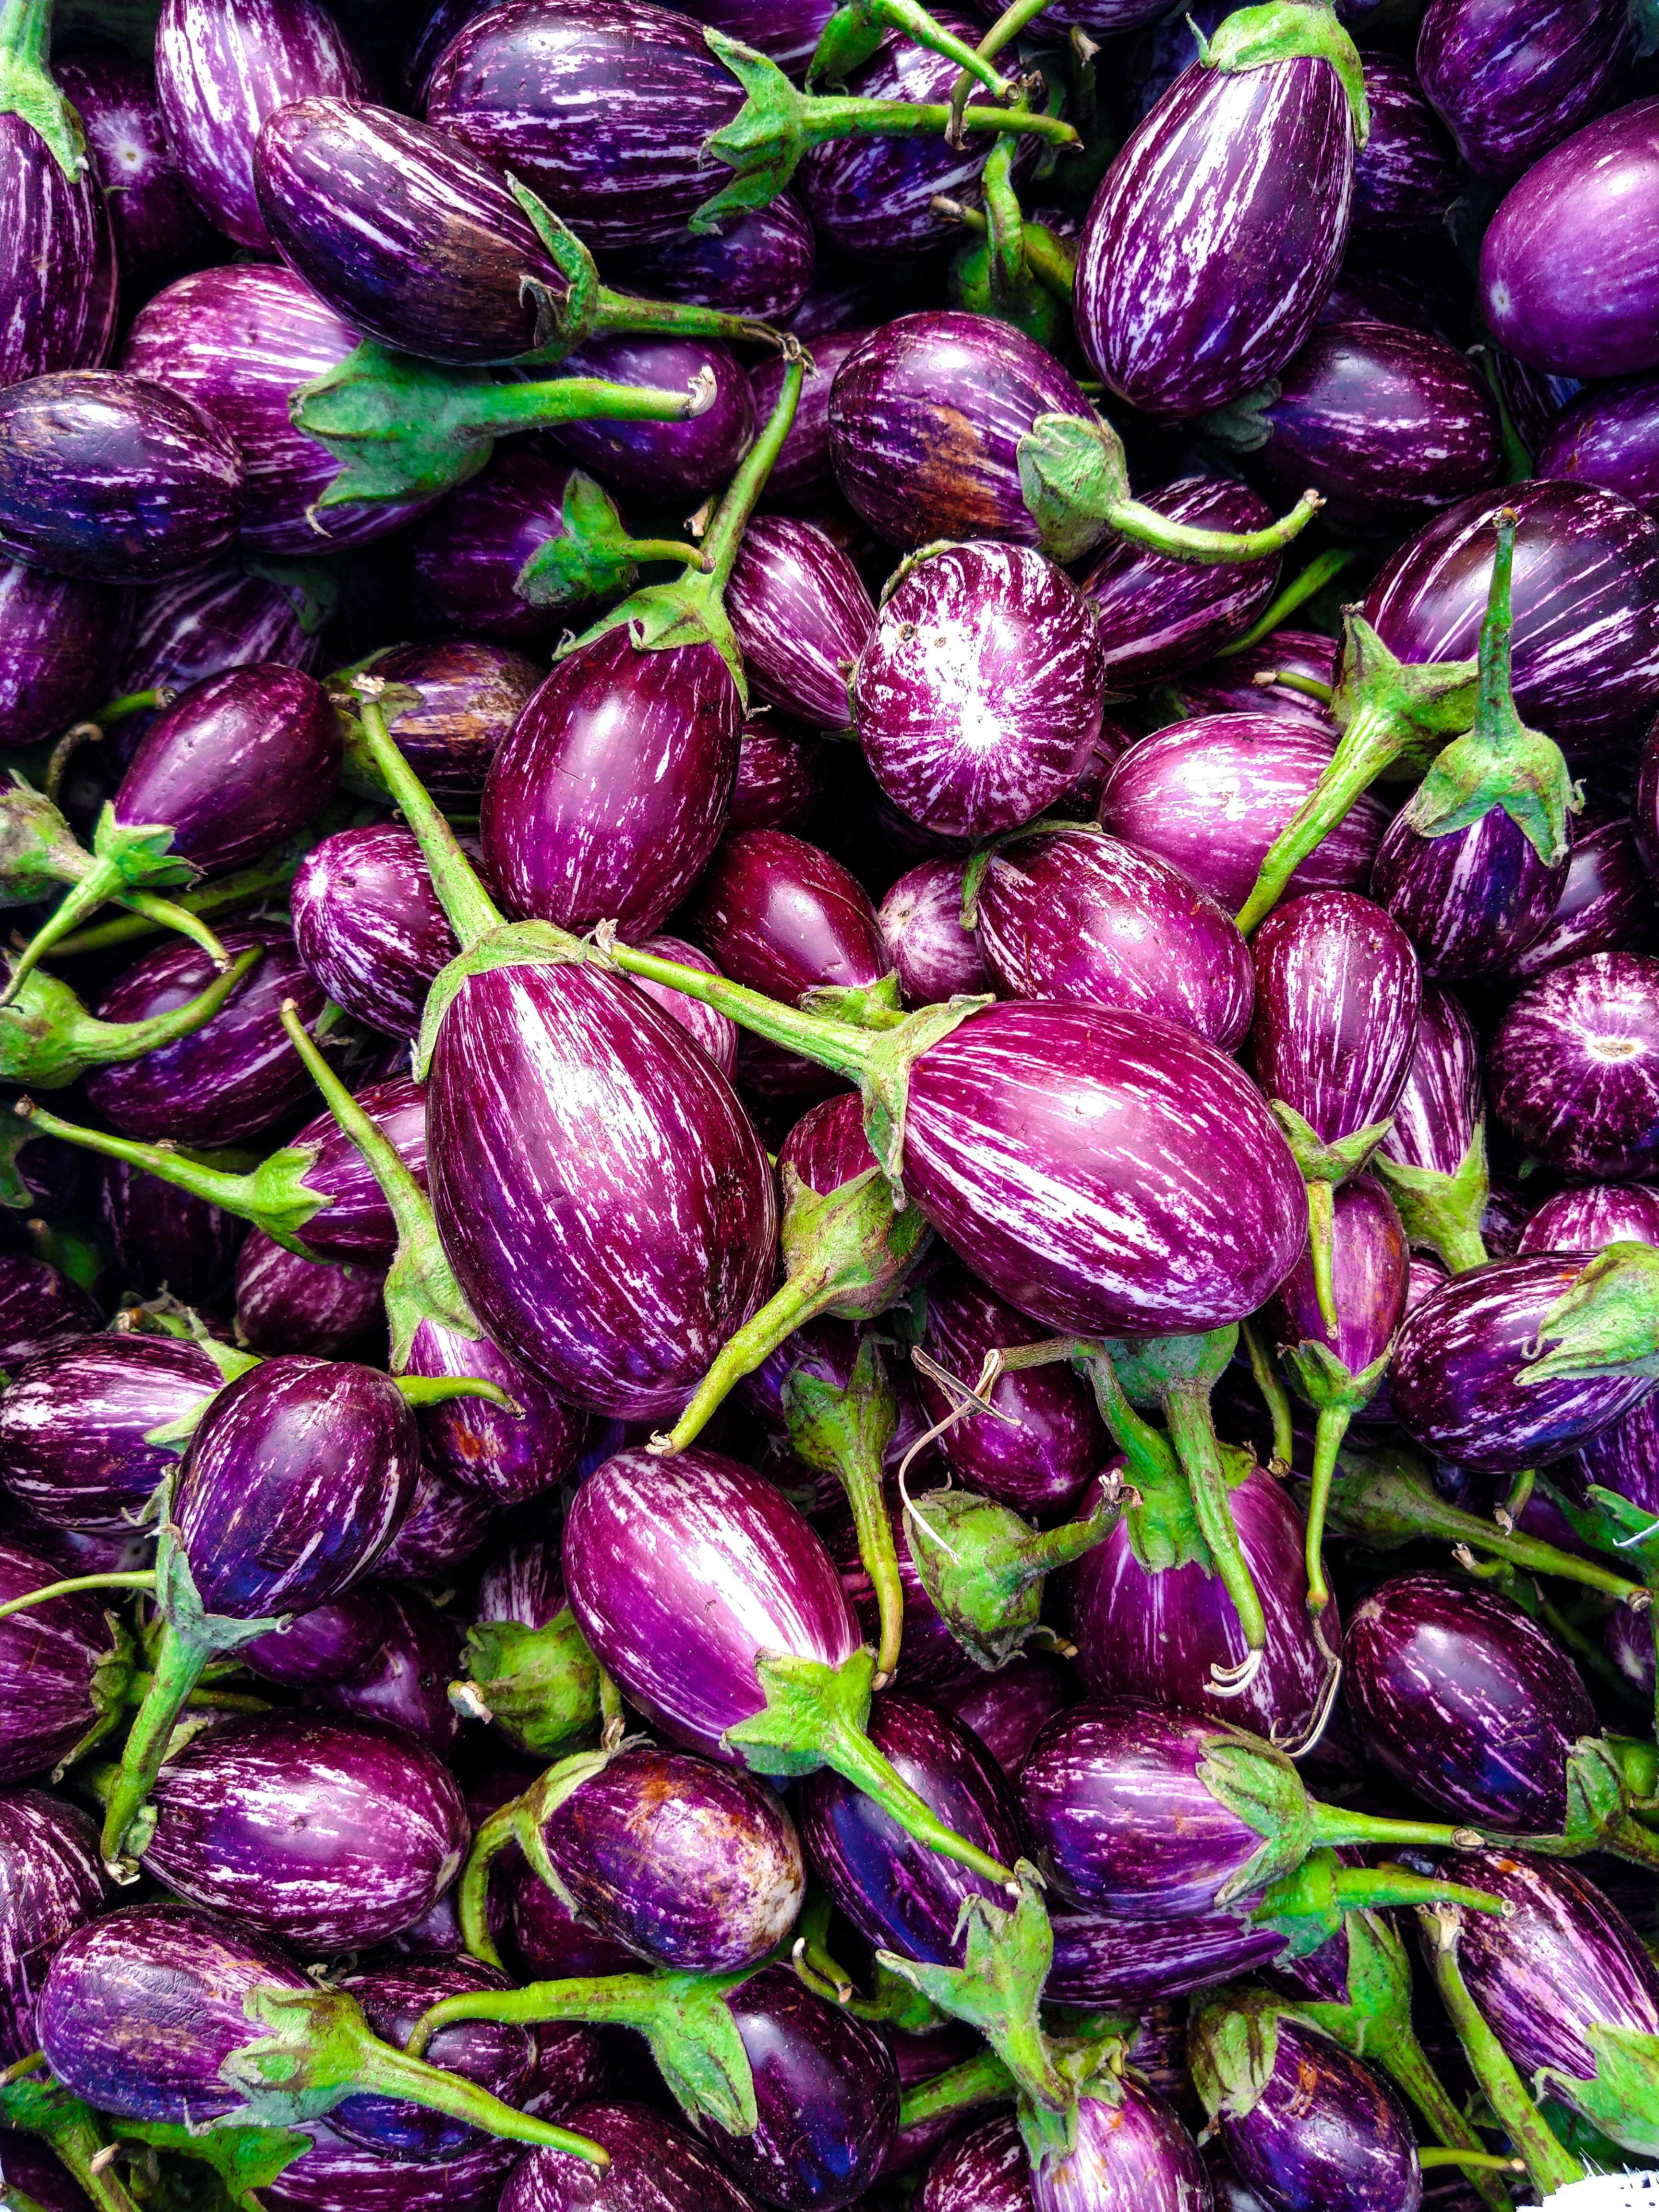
(38, 1307)
(1433, 1160)
(219, 75)
(977, 695)
(1219, 230)
(58, 638)
(1160, 614)
(471, 1441)
(447, 1522)
(1131, 2151)
(676, 460)
(325, 1645)
(983, 2169)
(805, 471)
(933, 956)
(1214, 795)
(502, 2060)
(1104, 1960)
(954, 426)
(716, 1033)
(1586, 1217)
(1407, 174)
(158, 230)
(1506, 101)
(1472, 901)
(113, 478)
(1228, 684)
(287, 1304)
(54, 1884)
(1609, 436)
(782, 777)
(404, 1685)
(651, 2162)
(1006, 1709)
(331, 2169)
(758, 265)
(223, 617)
(160, 1235)
(368, 926)
(1065, 913)
(526, 1667)
(1602, 905)
(549, 1942)
(448, 706)
(71, 1666)
(801, 615)
(373, 1830)
(1569, 1066)
(47, 1039)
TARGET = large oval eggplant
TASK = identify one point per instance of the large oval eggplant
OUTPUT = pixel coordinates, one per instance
(1507, 100)
(1574, 1066)
(74, 1421)
(1337, 993)
(158, 228)
(58, 294)
(214, 619)
(1104, 1960)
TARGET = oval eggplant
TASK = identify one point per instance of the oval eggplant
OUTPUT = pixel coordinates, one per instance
(1324, 2133)
(934, 957)
(1407, 174)
(758, 264)
(368, 926)
(653, 2164)
(782, 777)
(200, 625)
(404, 1684)
(660, 461)
(1505, 100)
(1132, 2156)
(1609, 436)
(52, 1657)
(1471, 900)
(1159, 616)
(1337, 993)
(499, 2057)
(58, 639)
(285, 1303)
(158, 230)
(802, 618)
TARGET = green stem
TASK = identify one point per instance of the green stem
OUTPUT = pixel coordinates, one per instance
(1373, 739)
(498, 1834)
(629, 317)
(412, 1209)
(470, 911)
(505, 408)
(1301, 588)
(839, 1046)
(906, 16)
(981, 2080)
(796, 1302)
(177, 1669)
(1007, 223)
(101, 883)
(1339, 1824)
(852, 1755)
(1322, 1238)
(168, 914)
(131, 702)
(1332, 1427)
(393, 2073)
(725, 533)
(607, 2001)
(1408, 2066)
(825, 119)
(129, 1040)
(878, 1553)
(1192, 1433)
(141, 1579)
(1490, 2162)
(148, 914)
(1184, 541)
(1276, 1399)
(27, 88)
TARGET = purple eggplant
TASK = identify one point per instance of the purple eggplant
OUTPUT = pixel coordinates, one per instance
(1470, 902)
(54, 1883)
(1229, 686)
(448, 706)
(70, 1668)
(74, 1424)
(1585, 1217)
(158, 230)
(977, 697)
(38, 1307)
(219, 73)
(1131, 2152)
(114, 478)
(58, 639)
(524, 1665)
(372, 1828)
(782, 777)
(1570, 1063)
(653, 2164)
(160, 1235)
(239, 342)
(1219, 228)
(1566, 275)
(1603, 905)
(369, 928)
(332, 2170)
(287, 1304)
(1433, 1160)
(757, 264)
(200, 625)
(1459, 1381)
(472, 552)
(1507, 100)
(986, 2169)
(501, 2059)
(1609, 436)
(1069, 914)
(1167, 1636)
(1104, 1960)
(403, 1685)
(1407, 176)
(1159, 614)
(325, 1645)
(550, 1944)
(802, 618)
(932, 955)
(716, 1033)
(954, 426)
(805, 471)
(1213, 796)
(670, 461)
(473, 1442)
(447, 1522)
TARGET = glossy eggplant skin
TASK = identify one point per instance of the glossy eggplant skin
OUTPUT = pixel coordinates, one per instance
(1326, 2133)
(52, 1882)
(221, 71)
(695, 1868)
(1216, 235)
(38, 1307)
(500, 2057)
(445, 1525)
(1006, 1709)
(609, 796)
(547, 1942)
(1609, 436)
(1566, 269)
(73, 1418)
(58, 638)
(335, 2171)
(661, 462)
(1211, 795)
(113, 478)
(1574, 1066)
(449, 703)
(1440, 1101)
(234, 1076)
(800, 611)
(1507, 100)
(1132, 2156)
(49, 1657)
(654, 2167)
(1161, 1635)
(509, 1457)
(716, 1033)
(404, 1685)
(328, 1833)
(1586, 604)
(1228, 685)
(285, 1303)
(680, 1572)
(1337, 993)
(984, 2169)
(216, 618)
(935, 957)
(1159, 616)
(804, 470)
(1471, 900)
(758, 264)
(898, 1894)
(1605, 904)
(1106, 1960)
(470, 551)
(1587, 1216)
(1453, 1380)
(157, 228)
(57, 296)
(369, 926)
(1407, 174)
(1066, 913)
(1466, 1701)
(325, 1644)
(545, 1221)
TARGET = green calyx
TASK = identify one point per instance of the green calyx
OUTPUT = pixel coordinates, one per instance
(1015, 271)
(1233, 2042)
(518, 1825)
(593, 557)
(538, 1687)
(1324, 1382)
(48, 1040)
(1285, 30)
(1607, 1320)
(39, 852)
(514, 945)
(246, 2159)
(983, 1566)
(1622, 2097)
(854, 32)
(888, 1060)
(1325, 1163)
(1442, 1212)
(1244, 426)
(27, 89)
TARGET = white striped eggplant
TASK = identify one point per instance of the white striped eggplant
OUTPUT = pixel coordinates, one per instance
(652, 2161)
(672, 464)
(1507, 104)
(1571, 1065)
(759, 265)
(54, 1883)
(448, 704)
(48, 1040)
(223, 617)
(800, 613)
(1609, 436)
(1407, 176)
(368, 926)
(1132, 2155)
(68, 1667)
(286, 1303)
(157, 226)
(1602, 905)
(1433, 1160)
(933, 956)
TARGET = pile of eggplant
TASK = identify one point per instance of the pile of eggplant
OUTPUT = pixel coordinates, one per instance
(829, 1105)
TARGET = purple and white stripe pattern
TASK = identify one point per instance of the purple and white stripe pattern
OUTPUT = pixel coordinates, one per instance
(802, 615)
(51, 1878)
(1437, 1107)
(1574, 1067)
(715, 1032)
(1470, 901)
(1337, 990)
(57, 293)
(1158, 615)
(57, 637)
(481, 1446)
(921, 922)
(193, 627)
(49, 1658)
(1508, 91)
(74, 1419)
(1405, 175)
(369, 924)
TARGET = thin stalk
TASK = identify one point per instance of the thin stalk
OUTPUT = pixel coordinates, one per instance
(102, 882)
(724, 536)
(1301, 588)
(146, 915)
(1340, 1824)
(142, 1578)
(605, 2000)
(878, 1553)
(1051, 270)
(532, 406)
(1276, 1399)
(1192, 1433)
(498, 1834)
(1372, 739)
(393, 2073)
(1331, 1428)
(1292, 679)
(1407, 2064)
(410, 1207)
(168, 914)
(131, 702)
(981, 2080)
(1321, 1239)
(795, 1302)
(839, 1046)
(1185, 542)
(1490, 2162)
(470, 911)
(177, 1669)
(825, 119)
(850, 1752)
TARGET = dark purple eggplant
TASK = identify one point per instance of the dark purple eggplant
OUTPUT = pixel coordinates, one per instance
(1603, 905)
(758, 264)
(447, 707)
(38, 1307)
(1433, 1160)
(669, 461)
(1228, 684)
(1507, 100)
(782, 777)
(114, 478)
(200, 625)
(549, 1944)
(501, 2059)
(372, 1828)
(977, 696)
(987, 2168)
(509, 1456)
(369, 924)
(159, 1234)
(325, 1645)
(1069, 914)
(1131, 2152)
(1214, 795)
(802, 618)
(70, 1670)
(1159, 613)
(332, 2169)
(1407, 176)
(1471, 902)
(933, 956)
(1006, 1709)
(287, 1304)
(1219, 228)
(1571, 1065)
(158, 230)
(653, 2164)
(53, 1883)
(447, 1522)
(805, 471)
(1609, 436)
(403, 1685)
(1105, 1959)
(58, 639)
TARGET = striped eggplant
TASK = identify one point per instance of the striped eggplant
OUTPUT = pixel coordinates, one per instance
(651, 2162)
(1507, 101)
(957, 426)
(214, 619)
(758, 264)
(1572, 1066)
(1219, 228)
(113, 478)
(331, 2169)
(1065, 913)
(157, 226)
(716, 1033)
(801, 615)
(1407, 176)
(501, 2059)
(476, 1443)
(1228, 684)
(1006, 1709)
(1433, 1160)
(983, 2168)
(933, 956)
(448, 703)
(287, 1304)
(38, 1307)
(60, 636)
(1566, 279)
(446, 1524)
(53, 1883)
(977, 695)
(220, 72)
(1160, 614)
(1104, 1960)
(1609, 436)
(404, 1685)
(65, 1667)
(805, 472)
(1585, 1217)
(327, 1644)
(471, 551)
(1471, 902)
(675, 462)
(368, 926)
(158, 1234)
(1132, 2155)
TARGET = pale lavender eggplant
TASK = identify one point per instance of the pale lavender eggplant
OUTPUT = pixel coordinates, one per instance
(1466, 1701)
(1609, 436)
(782, 776)
(1228, 686)
(1405, 175)
(1066, 913)
(113, 478)
(682, 1571)
(1211, 795)
(74, 1419)
(977, 697)
(296, 1476)
(933, 956)
(1456, 1381)
(157, 226)
(985, 2169)
(500, 2057)
(235, 1075)
(1131, 2156)
(214, 619)
(577, 106)
(1006, 1710)
(240, 342)
(327, 1834)
(802, 618)
(403, 1685)
(804, 470)
(220, 71)
(1049, 1441)
(716, 1033)
(609, 796)
(369, 926)
(1106, 1960)
(1337, 992)
(687, 1864)
(1216, 235)
(469, 551)
(610, 1233)
(1386, 422)
(1574, 1067)
(1585, 597)
(757, 264)
(52, 1881)
(1326, 2132)
(285, 1303)
(1605, 905)
(662, 462)
(1164, 1637)
(898, 1894)
(325, 1645)
(1507, 98)
(449, 705)
(1159, 616)
(1471, 900)
(509, 1456)
(162, 1236)
(38, 1307)
(654, 2167)
(1585, 1217)
(49, 1658)
(58, 639)
(57, 296)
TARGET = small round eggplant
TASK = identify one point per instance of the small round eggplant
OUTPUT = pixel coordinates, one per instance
(1132, 2156)
(58, 299)
(802, 618)
(509, 1457)
(1337, 993)
(1609, 436)
(369, 924)
(1574, 1067)
(933, 956)
(62, 1682)
(1471, 900)
(445, 1523)
(1585, 1217)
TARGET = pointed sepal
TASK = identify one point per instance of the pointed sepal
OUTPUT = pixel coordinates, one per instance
(1607, 1320)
